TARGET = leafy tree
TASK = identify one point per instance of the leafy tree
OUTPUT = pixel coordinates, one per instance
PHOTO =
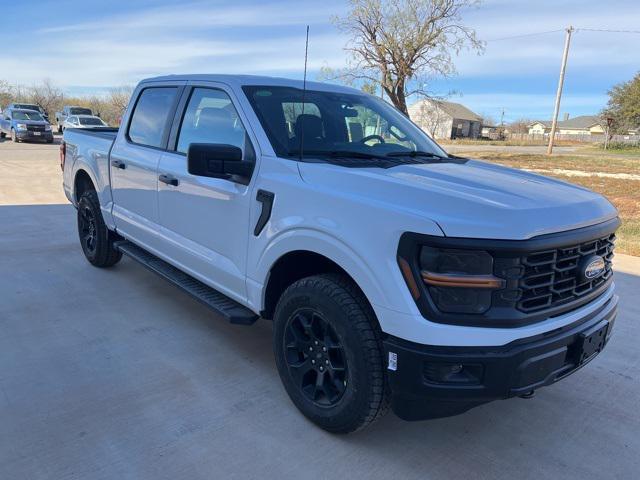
(624, 105)
(400, 43)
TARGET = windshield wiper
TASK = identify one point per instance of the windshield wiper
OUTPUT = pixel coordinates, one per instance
(351, 153)
(340, 154)
(416, 153)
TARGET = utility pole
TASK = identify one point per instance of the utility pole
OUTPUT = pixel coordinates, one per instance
(556, 110)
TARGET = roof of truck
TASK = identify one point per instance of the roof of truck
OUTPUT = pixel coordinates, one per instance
(242, 80)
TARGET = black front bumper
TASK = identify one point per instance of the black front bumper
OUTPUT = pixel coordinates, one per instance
(29, 135)
(436, 381)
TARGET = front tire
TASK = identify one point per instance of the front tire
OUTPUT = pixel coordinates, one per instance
(95, 238)
(328, 353)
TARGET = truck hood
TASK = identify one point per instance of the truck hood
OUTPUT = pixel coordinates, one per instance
(471, 199)
(32, 122)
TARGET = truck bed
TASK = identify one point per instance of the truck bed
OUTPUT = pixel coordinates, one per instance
(108, 133)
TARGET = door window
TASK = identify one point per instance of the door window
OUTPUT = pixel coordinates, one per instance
(210, 117)
(150, 115)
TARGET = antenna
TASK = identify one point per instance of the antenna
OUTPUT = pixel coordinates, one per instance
(304, 91)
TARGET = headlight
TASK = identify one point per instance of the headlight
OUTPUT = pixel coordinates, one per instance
(458, 281)
(21, 126)
(47, 128)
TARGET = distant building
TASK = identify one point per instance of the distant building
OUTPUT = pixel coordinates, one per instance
(492, 132)
(442, 119)
(582, 125)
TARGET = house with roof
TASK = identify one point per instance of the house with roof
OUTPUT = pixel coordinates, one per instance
(582, 125)
(442, 119)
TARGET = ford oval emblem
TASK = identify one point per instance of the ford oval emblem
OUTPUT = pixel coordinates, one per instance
(594, 268)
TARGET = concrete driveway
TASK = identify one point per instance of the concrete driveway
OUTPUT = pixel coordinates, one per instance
(114, 374)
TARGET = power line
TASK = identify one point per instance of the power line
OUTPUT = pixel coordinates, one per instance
(605, 30)
(525, 35)
(533, 34)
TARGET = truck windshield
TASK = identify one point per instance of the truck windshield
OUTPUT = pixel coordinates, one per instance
(27, 115)
(91, 121)
(335, 124)
(79, 111)
(26, 106)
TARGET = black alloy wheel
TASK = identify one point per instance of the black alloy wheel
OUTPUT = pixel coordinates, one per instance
(96, 239)
(87, 227)
(315, 357)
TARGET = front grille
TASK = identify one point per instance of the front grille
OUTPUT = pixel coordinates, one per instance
(552, 278)
(35, 128)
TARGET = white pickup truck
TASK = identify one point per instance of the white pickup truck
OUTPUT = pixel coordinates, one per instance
(395, 274)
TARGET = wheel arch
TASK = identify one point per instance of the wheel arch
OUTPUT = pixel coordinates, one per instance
(82, 182)
(307, 253)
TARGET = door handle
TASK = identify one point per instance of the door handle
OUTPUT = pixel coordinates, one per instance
(169, 180)
(118, 164)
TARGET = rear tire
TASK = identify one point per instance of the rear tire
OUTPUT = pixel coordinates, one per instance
(3, 135)
(95, 238)
(329, 355)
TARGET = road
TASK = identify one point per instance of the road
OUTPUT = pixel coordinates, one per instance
(530, 149)
(115, 374)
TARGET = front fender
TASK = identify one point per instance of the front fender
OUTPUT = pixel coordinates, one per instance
(315, 241)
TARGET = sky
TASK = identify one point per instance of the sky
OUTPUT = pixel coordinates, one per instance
(86, 47)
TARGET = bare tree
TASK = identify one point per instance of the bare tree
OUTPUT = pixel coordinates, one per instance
(399, 43)
(488, 119)
(47, 95)
(118, 99)
(520, 126)
(6, 93)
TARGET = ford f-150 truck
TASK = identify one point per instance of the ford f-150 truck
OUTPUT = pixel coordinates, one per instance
(395, 274)
(67, 111)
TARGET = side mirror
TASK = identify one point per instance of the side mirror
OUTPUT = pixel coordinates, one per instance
(217, 161)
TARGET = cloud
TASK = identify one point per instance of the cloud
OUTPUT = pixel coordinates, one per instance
(197, 37)
(122, 43)
(205, 15)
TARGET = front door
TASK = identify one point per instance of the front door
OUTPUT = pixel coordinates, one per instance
(205, 221)
(134, 164)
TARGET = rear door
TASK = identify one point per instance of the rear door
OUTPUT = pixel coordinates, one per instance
(134, 162)
(205, 221)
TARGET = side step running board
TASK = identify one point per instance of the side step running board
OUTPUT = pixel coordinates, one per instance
(216, 301)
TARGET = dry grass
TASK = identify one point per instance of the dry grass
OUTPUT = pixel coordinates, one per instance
(623, 193)
(507, 143)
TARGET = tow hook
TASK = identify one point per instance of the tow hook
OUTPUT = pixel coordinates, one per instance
(528, 395)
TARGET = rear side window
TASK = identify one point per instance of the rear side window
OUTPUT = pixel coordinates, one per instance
(150, 115)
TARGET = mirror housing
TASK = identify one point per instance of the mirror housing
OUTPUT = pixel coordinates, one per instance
(217, 160)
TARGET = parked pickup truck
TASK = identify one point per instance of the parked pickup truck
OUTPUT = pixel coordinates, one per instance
(67, 111)
(28, 106)
(394, 274)
(23, 125)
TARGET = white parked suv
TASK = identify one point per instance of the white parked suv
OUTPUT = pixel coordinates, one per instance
(395, 274)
